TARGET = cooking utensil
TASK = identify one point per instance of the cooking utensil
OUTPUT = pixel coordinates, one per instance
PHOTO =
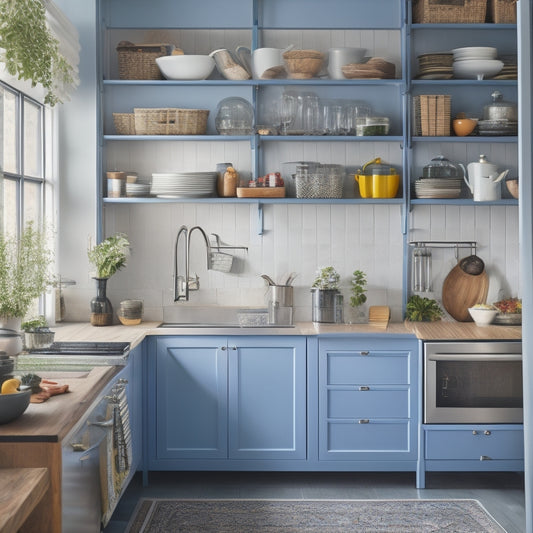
(268, 279)
(377, 180)
(461, 291)
(290, 279)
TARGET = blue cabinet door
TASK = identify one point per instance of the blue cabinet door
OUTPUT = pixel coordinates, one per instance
(135, 391)
(267, 397)
(191, 398)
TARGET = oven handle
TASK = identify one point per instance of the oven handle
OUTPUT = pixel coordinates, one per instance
(475, 357)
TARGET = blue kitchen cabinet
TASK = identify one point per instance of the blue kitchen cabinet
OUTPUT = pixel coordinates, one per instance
(222, 399)
(368, 402)
(134, 390)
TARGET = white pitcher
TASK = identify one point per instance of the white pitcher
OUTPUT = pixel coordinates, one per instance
(483, 180)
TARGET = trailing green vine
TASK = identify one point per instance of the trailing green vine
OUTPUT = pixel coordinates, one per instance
(30, 51)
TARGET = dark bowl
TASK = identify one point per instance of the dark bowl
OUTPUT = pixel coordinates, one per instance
(13, 405)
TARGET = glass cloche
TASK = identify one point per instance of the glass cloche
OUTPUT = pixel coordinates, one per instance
(235, 116)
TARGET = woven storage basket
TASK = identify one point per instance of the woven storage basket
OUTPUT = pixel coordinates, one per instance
(449, 11)
(137, 61)
(124, 123)
(170, 121)
(432, 115)
(502, 11)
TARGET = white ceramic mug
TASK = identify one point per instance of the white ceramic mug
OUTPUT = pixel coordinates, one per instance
(265, 58)
(338, 57)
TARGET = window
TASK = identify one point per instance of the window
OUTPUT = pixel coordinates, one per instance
(22, 159)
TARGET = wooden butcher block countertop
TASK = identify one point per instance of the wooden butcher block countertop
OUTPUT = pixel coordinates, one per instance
(454, 331)
(52, 420)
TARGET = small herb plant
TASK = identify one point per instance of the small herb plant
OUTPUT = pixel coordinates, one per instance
(327, 279)
(35, 324)
(358, 288)
(30, 51)
(24, 265)
(420, 309)
(109, 256)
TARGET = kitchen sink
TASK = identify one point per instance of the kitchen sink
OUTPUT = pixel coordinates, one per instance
(218, 325)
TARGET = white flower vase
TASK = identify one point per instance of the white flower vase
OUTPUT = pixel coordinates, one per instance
(13, 323)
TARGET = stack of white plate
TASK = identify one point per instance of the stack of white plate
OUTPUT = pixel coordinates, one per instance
(438, 187)
(137, 189)
(184, 184)
(476, 62)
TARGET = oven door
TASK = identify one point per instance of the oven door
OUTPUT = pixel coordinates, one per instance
(473, 385)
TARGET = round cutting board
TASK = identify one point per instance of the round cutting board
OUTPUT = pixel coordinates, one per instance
(461, 291)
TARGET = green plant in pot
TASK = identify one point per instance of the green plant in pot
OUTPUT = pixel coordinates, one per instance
(107, 257)
(358, 287)
(37, 334)
(326, 298)
(30, 51)
(24, 272)
(420, 309)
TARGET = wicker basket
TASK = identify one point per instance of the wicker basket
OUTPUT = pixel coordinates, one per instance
(137, 61)
(124, 123)
(502, 11)
(170, 121)
(449, 11)
(432, 115)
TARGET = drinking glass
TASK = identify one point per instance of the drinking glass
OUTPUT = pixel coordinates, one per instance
(287, 111)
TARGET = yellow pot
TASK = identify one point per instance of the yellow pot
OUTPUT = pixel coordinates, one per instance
(377, 180)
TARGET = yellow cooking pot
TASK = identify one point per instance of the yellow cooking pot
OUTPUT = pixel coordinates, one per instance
(377, 180)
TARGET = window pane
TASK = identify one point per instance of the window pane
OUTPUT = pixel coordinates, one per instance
(32, 202)
(32, 140)
(10, 206)
(9, 130)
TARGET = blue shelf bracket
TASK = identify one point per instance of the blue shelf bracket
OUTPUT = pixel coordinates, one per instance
(260, 226)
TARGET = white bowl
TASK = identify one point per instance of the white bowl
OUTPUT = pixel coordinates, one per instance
(186, 67)
(476, 68)
(482, 317)
(475, 52)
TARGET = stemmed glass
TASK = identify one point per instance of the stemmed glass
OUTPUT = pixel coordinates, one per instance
(287, 111)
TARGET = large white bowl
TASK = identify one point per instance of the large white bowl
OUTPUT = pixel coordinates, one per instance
(482, 317)
(476, 68)
(475, 52)
(186, 67)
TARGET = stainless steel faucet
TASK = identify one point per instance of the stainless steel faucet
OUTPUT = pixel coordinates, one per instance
(184, 283)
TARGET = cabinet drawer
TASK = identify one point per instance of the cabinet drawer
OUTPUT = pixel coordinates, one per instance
(474, 444)
(368, 404)
(350, 368)
(374, 436)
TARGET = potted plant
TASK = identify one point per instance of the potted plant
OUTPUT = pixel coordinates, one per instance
(107, 257)
(37, 334)
(358, 285)
(326, 299)
(420, 309)
(24, 273)
(30, 51)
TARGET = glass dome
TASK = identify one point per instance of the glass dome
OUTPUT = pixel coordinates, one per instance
(235, 116)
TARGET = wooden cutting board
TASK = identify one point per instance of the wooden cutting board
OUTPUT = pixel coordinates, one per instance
(461, 291)
(260, 192)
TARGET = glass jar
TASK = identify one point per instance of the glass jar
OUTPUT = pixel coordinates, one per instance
(235, 116)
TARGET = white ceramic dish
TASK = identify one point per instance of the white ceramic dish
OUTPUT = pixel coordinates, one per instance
(477, 68)
(475, 52)
(482, 317)
(186, 67)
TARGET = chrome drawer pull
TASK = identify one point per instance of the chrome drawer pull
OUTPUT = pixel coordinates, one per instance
(364, 421)
(485, 458)
(364, 388)
(486, 432)
(474, 432)
(365, 352)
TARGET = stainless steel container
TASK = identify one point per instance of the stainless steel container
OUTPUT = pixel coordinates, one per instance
(325, 303)
(282, 294)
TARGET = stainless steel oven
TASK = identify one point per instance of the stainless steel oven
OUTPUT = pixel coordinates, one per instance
(473, 382)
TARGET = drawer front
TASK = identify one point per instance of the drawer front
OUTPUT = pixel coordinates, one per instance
(356, 368)
(474, 444)
(368, 404)
(371, 437)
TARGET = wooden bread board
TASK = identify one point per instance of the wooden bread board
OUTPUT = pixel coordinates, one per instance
(461, 291)
(261, 192)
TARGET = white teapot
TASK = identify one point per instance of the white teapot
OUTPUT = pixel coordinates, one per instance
(483, 180)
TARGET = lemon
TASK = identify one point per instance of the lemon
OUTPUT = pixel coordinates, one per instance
(10, 386)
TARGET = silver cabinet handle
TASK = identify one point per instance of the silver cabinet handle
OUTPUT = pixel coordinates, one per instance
(474, 432)
(223, 348)
(486, 432)
(234, 347)
(364, 388)
(485, 458)
(364, 352)
(364, 421)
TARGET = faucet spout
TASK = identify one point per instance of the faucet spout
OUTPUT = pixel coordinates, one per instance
(183, 283)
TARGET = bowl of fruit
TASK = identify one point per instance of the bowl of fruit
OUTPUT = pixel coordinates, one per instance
(509, 312)
(13, 401)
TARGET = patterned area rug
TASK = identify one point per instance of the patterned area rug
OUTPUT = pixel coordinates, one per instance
(311, 516)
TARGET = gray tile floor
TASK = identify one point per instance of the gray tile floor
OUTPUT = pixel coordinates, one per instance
(502, 494)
